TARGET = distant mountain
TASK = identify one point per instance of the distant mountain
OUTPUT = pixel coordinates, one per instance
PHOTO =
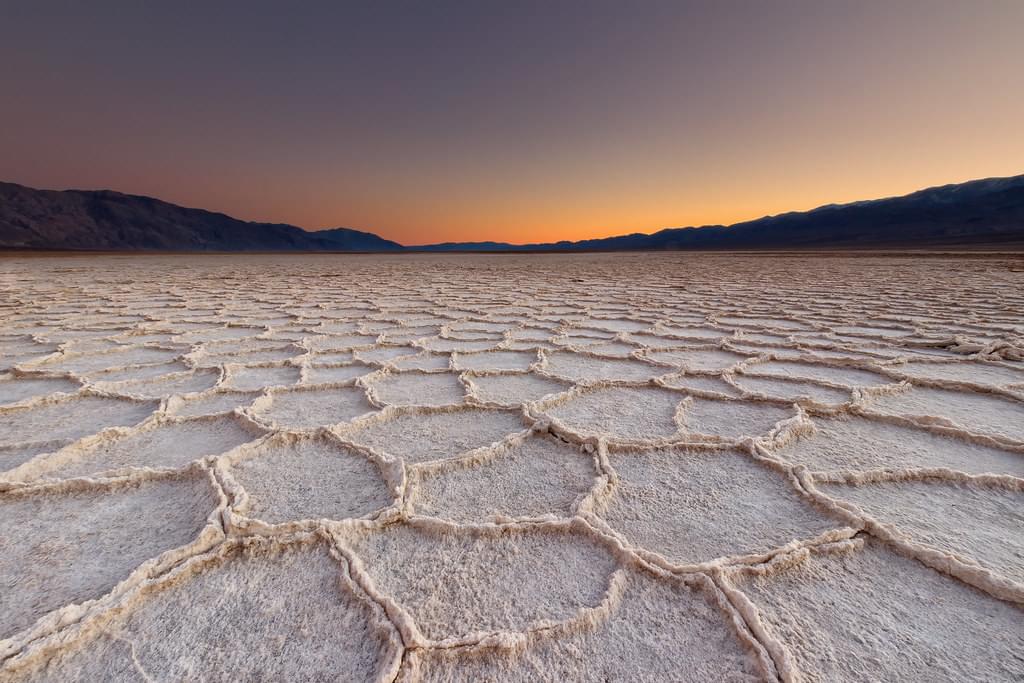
(105, 220)
(987, 213)
(977, 213)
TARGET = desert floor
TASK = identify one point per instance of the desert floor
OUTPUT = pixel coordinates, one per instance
(494, 468)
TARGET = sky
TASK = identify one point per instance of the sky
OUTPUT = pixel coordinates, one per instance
(514, 121)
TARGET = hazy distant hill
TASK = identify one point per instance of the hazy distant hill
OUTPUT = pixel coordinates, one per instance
(91, 220)
(977, 213)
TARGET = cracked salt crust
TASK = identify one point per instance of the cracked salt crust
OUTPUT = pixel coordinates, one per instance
(588, 467)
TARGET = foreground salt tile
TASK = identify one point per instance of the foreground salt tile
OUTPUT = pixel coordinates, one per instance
(773, 323)
(253, 378)
(535, 476)
(17, 389)
(85, 363)
(331, 374)
(977, 413)
(652, 341)
(450, 345)
(835, 374)
(613, 349)
(18, 350)
(295, 477)
(514, 390)
(698, 360)
(871, 331)
(203, 332)
(655, 626)
(255, 610)
(700, 385)
(15, 455)
(531, 334)
(419, 435)
(694, 506)
(582, 368)
(308, 408)
(418, 388)
(71, 417)
(410, 334)
(211, 403)
(495, 360)
(861, 612)
(629, 413)
(793, 390)
(339, 342)
(161, 444)
(849, 443)
(71, 542)
(969, 372)
(457, 583)
(620, 324)
(423, 361)
(137, 373)
(383, 354)
(331, 357)
(978, 523)
(732, 419)
(186, 382)
(221, 354)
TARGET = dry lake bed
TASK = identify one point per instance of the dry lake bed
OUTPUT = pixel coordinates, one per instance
(614, 467)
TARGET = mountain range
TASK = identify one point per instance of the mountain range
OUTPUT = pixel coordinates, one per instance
(110, 221)
(978, 213)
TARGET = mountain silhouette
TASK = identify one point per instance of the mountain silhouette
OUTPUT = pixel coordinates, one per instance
(979, 213)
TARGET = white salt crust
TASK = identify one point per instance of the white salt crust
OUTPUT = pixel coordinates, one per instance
(437, 468)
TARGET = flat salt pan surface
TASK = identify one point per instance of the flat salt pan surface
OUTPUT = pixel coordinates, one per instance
(316, 407)
(857, 443)
(537, 477)
(834, 607)
(536, 468)
(688, 627)
(455, 583)
(692, 507)
(13, 390)
(166, 445)
(621, 412)
(514, 390)
(212, 403)
(495, 360)
(187, 382)
(582, 368)
(733, 419)
(985, 414)
(846, 376)
(244, 378)
(418, 437)
(793, 390)
(60, 547)
(415, 388)
(979, 524)
(70, 418)
(285, 612)
(292, 478)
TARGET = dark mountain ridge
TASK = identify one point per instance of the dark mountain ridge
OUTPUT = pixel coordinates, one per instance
(987, 212)
(978, 212)
(106, 220)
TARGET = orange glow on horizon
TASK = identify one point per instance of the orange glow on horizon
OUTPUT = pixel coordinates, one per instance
(508, 221)
(431, 123)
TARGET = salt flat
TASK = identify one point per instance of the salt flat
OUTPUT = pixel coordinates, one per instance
(613, 467)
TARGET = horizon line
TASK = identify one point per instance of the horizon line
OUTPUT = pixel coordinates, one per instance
(533, 244)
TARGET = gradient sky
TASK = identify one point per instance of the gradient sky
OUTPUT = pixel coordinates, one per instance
(515, 121)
